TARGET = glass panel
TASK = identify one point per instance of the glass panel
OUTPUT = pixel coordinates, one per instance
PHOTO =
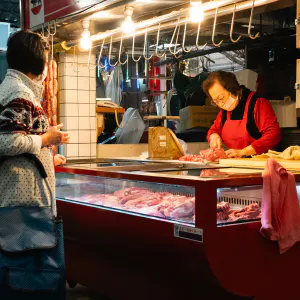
(170, 202)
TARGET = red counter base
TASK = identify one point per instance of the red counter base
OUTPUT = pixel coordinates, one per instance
(130, 257)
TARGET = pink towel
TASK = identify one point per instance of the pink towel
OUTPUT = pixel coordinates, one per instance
(280, 211)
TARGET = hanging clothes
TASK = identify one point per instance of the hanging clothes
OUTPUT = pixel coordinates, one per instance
(114, 86)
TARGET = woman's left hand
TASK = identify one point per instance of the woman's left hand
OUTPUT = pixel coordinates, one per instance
(235, 153)
(59, 160)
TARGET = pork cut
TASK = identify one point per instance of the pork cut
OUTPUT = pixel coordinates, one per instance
(205, 156)
(223, 210)
(249, 212)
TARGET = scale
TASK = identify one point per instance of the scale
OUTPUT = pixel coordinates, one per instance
(162, 142)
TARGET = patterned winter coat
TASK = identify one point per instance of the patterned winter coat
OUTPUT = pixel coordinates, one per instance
(22, 121)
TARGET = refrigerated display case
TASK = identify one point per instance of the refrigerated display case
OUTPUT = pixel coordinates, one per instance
(159, 235)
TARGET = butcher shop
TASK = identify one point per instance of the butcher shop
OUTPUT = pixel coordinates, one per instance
(177, 171)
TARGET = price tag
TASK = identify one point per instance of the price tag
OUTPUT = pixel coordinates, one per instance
(188, 233)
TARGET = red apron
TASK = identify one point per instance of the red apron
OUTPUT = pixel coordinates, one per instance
(234, 132)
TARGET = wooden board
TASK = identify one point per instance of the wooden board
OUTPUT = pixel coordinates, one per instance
(259, 163)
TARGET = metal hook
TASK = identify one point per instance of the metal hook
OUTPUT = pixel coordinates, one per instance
(145, 41)
(99, 57)
(120, 49)
(43, 32)
(171, 42)
(214, 30)
(109, 54)
(49, 29)
(231, 27)
(253, 37)
(197, 39)
(184, 36)
(132, 53)
(157, 42)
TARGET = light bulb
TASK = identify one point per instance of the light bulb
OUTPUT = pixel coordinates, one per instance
(196, 12)
(85, 42)
(128, 25)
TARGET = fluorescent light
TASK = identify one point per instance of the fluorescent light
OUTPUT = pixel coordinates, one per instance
(85, 42)
(196, 12)
(128, 25)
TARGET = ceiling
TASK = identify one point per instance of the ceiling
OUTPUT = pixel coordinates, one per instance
(10, 12)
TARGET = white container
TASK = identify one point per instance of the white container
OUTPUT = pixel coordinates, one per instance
(285, 112)
(248, 78)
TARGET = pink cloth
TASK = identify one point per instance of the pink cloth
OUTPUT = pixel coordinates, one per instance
(280, 211)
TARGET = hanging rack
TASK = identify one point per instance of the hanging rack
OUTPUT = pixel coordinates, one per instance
(197, 39)
(132, 53)
(109, 54)
(171, 42)
(184, 36)
(120, 49)
(214, 29)
(232, 24)
(99, 57)
(253, 37)
(145, 42)
(49, 29)
(157, 43)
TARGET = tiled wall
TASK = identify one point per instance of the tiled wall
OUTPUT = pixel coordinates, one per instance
(77, 105)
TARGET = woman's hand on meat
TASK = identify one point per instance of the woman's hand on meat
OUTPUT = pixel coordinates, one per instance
(215, 141)
(59, 160)
(55, 137)
(235, 153)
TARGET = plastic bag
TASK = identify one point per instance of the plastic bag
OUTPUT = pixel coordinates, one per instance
(183, 145)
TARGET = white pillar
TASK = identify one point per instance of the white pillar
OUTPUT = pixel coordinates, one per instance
(78, 105)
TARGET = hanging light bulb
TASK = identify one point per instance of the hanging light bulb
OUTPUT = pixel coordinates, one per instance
(196, 11)
(128, 25)
(85, 41)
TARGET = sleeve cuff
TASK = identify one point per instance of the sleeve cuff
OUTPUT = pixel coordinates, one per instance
(36, 144)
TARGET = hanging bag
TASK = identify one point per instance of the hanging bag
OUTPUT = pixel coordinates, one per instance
(32, 265)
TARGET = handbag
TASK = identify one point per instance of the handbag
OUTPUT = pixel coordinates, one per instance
(32, 265)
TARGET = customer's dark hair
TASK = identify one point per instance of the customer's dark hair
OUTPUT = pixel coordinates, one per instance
(226, 79)
(26, 52)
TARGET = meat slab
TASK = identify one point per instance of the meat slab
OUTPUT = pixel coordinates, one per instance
(205, 156)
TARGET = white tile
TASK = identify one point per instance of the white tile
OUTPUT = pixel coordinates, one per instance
(92, 84)
(69, 110)
(83, 96)
(68, 83)
(70, 96)
(84, 150)
(63, 121)
(73, 136)
(69, 57)
(71, 69)
(93, 123)
(93, 72)
(72, 123)
(83, 58)
(93, 149)
(84, 136)
(72, 150)
(84, 123)
(62, 69)
(84, 71)
(83, 83)
(93, 136)
(92, 110)
(84, 110)
(92, 96)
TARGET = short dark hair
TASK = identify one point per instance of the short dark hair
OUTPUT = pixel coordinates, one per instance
(226, 79)
(26, 52)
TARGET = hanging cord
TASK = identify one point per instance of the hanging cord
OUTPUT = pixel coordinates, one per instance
(117, 121)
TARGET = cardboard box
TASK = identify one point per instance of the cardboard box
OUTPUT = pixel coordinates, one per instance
(197, 116)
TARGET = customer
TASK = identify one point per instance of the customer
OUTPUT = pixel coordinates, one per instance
(23, 124)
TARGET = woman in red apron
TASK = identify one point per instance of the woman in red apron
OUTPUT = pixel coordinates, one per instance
(246, 123)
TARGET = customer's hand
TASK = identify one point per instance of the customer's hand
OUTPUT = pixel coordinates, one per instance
(59, 160)
(55, 137)
(215, 141)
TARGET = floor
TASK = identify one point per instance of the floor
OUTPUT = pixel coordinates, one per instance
(82, 293)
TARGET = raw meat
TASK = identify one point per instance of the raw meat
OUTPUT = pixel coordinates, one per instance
(223, 210)
(180, 208)
(129, 191)
(210, 173)
(249, 212)
(205, 156)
